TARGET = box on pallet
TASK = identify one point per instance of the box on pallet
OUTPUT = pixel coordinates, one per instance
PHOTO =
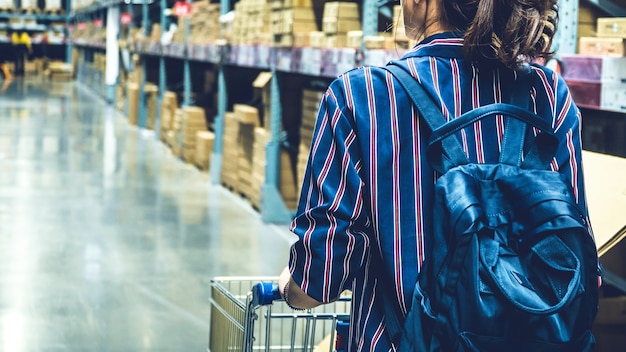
(133, 103)
(341, 10)
(151, 92)
(602, 46)
(169, 104)
(230, 156)
(262, 89)
(606, 198)
(612, 27)
(53, 5)
(204, 148)
(194, 120)
(594, 68)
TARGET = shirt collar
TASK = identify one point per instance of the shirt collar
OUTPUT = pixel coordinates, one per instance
(447, 44)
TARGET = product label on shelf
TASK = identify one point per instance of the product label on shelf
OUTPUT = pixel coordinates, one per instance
(263, 56)
(283, 57)
(182, 8)
(126, 18)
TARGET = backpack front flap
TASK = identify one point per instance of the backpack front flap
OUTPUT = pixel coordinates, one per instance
(517, 268)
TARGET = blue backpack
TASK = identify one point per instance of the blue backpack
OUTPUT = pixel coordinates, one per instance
(511, 265)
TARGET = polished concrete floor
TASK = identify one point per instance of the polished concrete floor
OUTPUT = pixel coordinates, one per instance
(107, 241)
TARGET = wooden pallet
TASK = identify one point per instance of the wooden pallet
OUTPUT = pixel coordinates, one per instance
(228, 186)
(54, 11)
(30, 11)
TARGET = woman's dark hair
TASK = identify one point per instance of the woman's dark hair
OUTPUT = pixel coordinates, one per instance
(506, 30)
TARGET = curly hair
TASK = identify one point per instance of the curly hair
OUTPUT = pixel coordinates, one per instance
(510, 31)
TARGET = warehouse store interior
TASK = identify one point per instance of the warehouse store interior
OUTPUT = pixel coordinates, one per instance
(150, 146)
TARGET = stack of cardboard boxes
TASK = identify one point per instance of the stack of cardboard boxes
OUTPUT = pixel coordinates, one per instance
(230, 152)
(169, 104)
(174, 136)
(310, 105)
(193, 121)
(600, 35)
(203, 24)
(248, 118)
(204, 148)
(151, 96)
(597, 75)
(132, 91)
(251, 24)
(261, 137)
(291, 18)
(339, 19)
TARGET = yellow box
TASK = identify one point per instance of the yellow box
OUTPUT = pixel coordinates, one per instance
(341, 10)
(341, 26)
(602, 46)
(614, 27)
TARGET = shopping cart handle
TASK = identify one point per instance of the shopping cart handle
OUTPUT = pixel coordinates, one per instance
(265, 293)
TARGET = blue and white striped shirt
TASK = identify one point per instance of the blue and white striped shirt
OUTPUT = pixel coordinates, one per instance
(368, 188)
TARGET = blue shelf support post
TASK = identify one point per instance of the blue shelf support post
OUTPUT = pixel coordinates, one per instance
(187, 69)
(68, 49)
(162, 76)
(143, 118)
(566, 38)
(222, 102)
(370, 18)
(218, 126)
(273, 208)
(112, 54)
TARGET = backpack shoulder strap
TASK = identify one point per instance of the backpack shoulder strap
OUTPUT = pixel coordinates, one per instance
(445, 153)
(452, 153)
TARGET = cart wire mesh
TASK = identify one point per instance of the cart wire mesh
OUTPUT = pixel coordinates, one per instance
(238, 325)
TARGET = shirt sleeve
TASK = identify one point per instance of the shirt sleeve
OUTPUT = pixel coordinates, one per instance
(330, 221)
(568, 159)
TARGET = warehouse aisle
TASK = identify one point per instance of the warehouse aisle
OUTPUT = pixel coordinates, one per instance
(107, 241)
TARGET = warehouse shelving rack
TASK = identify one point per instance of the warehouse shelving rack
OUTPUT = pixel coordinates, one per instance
(288, 60)
(44, 22)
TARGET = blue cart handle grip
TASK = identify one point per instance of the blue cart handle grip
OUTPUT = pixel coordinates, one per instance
(265, 293)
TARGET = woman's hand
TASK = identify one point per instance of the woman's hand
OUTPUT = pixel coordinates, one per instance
(294, 296)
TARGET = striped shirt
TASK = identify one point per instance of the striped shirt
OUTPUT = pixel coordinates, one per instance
(368, 188)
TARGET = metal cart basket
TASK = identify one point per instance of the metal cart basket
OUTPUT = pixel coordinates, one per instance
(243, 318)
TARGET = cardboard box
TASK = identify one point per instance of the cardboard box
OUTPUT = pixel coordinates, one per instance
(613, 97)
(247, 114)
(586, 68)
(341, 10)
(262, 88)
(205, 141)
(331, 26)
(317, 39)
(614, 27)
(606, 198)
(151, 91)
(133, 103)
(353, 39)
(602, 46)
(375, 42)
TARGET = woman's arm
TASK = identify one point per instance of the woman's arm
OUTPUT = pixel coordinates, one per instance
(293, 295)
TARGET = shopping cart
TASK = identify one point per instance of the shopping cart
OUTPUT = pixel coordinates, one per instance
(244, 318)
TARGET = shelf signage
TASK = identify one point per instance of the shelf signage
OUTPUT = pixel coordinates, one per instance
(99, 23)
(182, 9)
(126, 18)
(82, 26)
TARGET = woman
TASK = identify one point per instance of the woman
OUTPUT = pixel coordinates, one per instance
(368, 188)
